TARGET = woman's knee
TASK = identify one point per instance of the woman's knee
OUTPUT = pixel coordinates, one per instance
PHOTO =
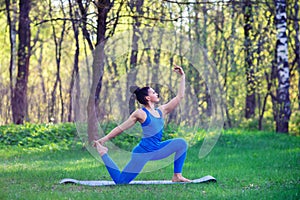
(180, 142)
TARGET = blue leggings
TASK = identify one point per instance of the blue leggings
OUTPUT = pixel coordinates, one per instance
(140, 157)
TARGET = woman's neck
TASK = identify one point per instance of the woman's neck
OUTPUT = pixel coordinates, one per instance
(150, 106)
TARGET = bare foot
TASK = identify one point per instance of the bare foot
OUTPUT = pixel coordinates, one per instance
(100, 148)
(179, 178)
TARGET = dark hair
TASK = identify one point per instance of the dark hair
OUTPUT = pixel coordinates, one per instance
(140, 93)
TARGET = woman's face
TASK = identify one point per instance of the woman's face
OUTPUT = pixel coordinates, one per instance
(154, 97)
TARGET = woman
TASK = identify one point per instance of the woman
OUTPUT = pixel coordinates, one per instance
(150, 147)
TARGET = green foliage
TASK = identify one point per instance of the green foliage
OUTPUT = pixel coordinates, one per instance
(269, 125)
(294, 125)
(49, 136)
(57, 136)
(252, 124)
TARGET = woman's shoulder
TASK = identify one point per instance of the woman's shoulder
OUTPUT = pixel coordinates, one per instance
(139, 114)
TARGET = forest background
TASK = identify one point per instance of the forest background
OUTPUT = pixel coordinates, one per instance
(47, 50)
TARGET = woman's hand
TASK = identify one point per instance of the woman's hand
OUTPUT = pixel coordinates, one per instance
(178, 69)
(101, 141)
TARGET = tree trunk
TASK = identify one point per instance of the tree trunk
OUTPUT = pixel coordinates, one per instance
(19, 100)
(233, 63)
(283, 76)
(135, 6)
(155, 71)
(11, 20)
(205, 34)
(98, 69)
(83, 12)
(41, 110)
(58, 48)
(75, 72)
(263, 109)
(103, 9)
(250, 85)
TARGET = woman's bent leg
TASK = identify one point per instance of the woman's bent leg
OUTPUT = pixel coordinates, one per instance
(178, 163)
(177, 146)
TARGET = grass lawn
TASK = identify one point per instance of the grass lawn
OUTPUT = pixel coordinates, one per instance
(247, 165)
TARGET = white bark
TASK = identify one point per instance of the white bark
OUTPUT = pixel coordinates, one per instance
(283, 72)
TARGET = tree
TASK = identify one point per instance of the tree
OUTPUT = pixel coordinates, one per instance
(75, 72)
(135, 6)
(250, 95)
(11, 20)
(58, 55)
(297, 47)
(103, 7)
(283, 110)
(19, 99)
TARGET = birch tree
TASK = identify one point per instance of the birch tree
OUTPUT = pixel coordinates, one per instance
(283, 110)
(297, 47)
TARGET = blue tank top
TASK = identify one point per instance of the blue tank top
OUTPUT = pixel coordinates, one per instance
(152, 131)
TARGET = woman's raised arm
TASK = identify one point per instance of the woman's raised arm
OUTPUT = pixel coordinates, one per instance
(173, 103)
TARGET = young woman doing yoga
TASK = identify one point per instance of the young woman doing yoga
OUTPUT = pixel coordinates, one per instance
(150, 147)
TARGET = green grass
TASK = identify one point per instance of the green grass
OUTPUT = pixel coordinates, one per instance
(247, 165)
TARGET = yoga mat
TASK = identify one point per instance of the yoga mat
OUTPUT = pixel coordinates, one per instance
(204, 179)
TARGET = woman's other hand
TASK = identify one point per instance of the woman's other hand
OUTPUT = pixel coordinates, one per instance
(178, 70)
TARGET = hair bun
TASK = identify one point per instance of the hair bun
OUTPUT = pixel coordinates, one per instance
(134, 89)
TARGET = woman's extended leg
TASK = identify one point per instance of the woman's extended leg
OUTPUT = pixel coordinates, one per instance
(131, 170)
